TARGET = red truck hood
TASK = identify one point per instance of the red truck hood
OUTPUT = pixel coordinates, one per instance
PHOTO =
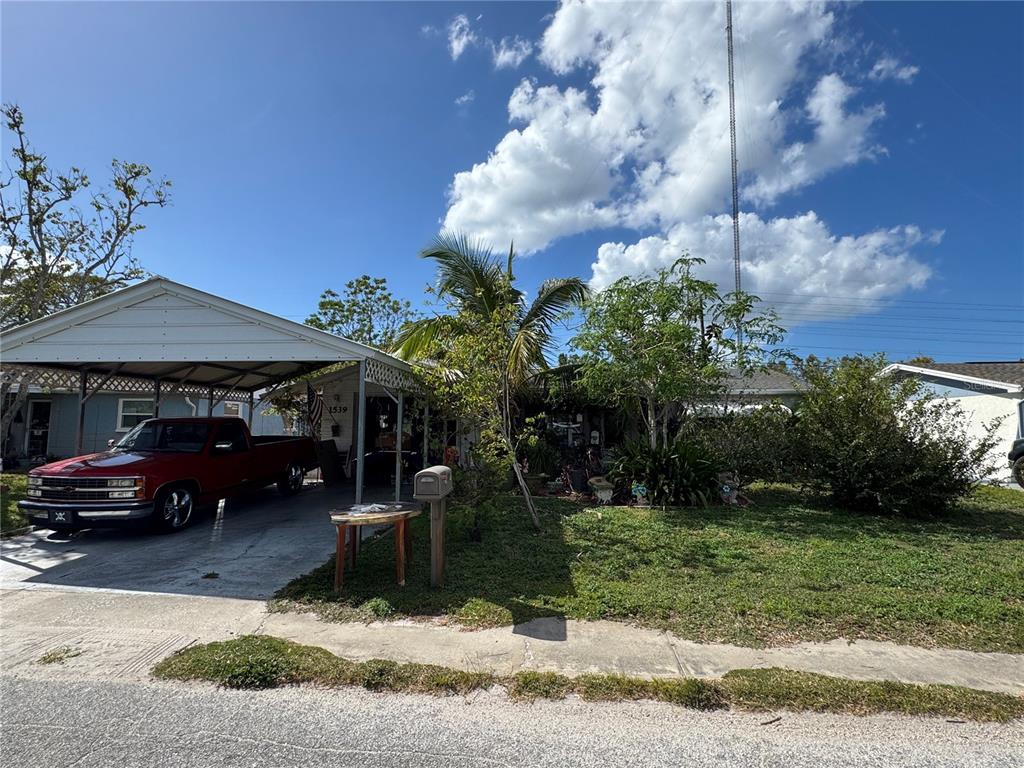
(100, 463)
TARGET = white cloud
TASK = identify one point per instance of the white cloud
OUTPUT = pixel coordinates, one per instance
(466, 98)
(543, 181)
(645, 144)
(510, 52)
(460, 35)
(888, 68)
(840, 138)
(796, 257)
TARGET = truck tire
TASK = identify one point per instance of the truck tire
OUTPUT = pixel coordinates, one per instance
(291, 483)
(1018, 471)
(173, 508)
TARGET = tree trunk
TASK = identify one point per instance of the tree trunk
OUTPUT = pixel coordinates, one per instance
(526, 491)
(652, 424)
(506, 424)
(14, 410)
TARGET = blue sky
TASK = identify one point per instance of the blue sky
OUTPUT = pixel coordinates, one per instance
(311, 143)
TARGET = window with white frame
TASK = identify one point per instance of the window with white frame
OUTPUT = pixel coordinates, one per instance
(232, 409)
(132, 411)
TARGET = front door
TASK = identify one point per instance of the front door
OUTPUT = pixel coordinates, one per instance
(37, 436)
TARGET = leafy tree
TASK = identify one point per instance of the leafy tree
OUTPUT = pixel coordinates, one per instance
(366, 312)
(60, 242)
(488, 343)
(662, 345)
(886, 443)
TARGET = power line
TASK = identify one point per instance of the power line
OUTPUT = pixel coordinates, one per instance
(886, 301)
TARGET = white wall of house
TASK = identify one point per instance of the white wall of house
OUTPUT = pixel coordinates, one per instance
(982, 409)
(340, 393)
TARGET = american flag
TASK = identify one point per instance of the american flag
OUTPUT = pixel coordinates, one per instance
(314, 410)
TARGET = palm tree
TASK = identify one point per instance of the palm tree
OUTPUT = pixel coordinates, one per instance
(477, 286)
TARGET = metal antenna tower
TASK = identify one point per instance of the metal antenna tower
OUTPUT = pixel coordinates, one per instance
(735, 165)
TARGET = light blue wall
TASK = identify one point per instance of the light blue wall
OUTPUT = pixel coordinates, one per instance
(101, 420)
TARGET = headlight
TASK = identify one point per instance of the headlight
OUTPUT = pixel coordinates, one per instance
(122, 494)
(124, 482)
(35, 480)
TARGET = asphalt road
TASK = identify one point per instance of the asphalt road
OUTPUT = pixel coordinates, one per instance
(52, 719)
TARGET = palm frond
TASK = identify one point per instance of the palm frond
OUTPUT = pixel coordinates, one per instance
(527, 356)
(554, 299)
(468, 272)
(419, 340)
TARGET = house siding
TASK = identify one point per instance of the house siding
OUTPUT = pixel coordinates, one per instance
(101, 420)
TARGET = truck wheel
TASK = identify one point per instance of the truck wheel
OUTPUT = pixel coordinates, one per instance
(1018, 471)
(172, 509)
(292, 480)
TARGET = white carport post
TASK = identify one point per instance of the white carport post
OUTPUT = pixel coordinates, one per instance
(398, 446)
(251, 406)
(361, 431)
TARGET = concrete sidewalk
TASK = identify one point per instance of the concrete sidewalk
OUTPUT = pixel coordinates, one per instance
(124, 634)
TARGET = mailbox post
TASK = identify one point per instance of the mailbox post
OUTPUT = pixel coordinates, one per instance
(433, 484)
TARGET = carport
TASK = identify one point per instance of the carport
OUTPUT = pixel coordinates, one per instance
(159, 337)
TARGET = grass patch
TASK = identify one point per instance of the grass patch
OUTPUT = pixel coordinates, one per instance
(11, 519)
(258, 661)
(784, 570)
(773, 689)
(539, 685)
(59, 655)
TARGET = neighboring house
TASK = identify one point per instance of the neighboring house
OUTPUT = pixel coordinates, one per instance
(985, 391)
(47, 425)
(605, 426)
(764, 387)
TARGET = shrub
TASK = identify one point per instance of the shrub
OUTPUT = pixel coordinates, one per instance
(758, 445)
(880, 443)
(543, 458)
(680, 474)
(378, 608)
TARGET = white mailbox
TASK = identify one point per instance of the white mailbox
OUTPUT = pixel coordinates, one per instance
(432, 483)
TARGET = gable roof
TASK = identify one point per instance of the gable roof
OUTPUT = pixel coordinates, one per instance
(162, 329)
(1007, 376)
(767, 382)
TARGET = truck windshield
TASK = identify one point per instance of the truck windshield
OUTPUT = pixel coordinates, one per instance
(177, 437)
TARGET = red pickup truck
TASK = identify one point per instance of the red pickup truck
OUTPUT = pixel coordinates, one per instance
(160, 471)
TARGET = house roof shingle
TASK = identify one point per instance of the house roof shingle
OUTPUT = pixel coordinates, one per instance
(772, 382)
(1007, 372)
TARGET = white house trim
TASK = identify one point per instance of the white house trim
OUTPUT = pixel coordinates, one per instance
(939, 374)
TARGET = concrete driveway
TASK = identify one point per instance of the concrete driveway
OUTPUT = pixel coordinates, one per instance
(254, 545)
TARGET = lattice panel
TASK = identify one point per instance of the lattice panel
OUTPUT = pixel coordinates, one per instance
(390, 377)
(55, 379)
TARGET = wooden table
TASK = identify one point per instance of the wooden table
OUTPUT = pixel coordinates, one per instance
(397, 514)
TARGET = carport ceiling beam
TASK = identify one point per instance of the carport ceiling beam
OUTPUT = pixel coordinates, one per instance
(227, 392)
(88, 393)
(180, 383)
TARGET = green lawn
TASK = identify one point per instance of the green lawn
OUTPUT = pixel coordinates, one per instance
(778, 572)
(11, 520)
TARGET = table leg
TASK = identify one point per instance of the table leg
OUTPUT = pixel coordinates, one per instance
(339, 558)
(408, 541)
(400, 551)
(354, 543)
